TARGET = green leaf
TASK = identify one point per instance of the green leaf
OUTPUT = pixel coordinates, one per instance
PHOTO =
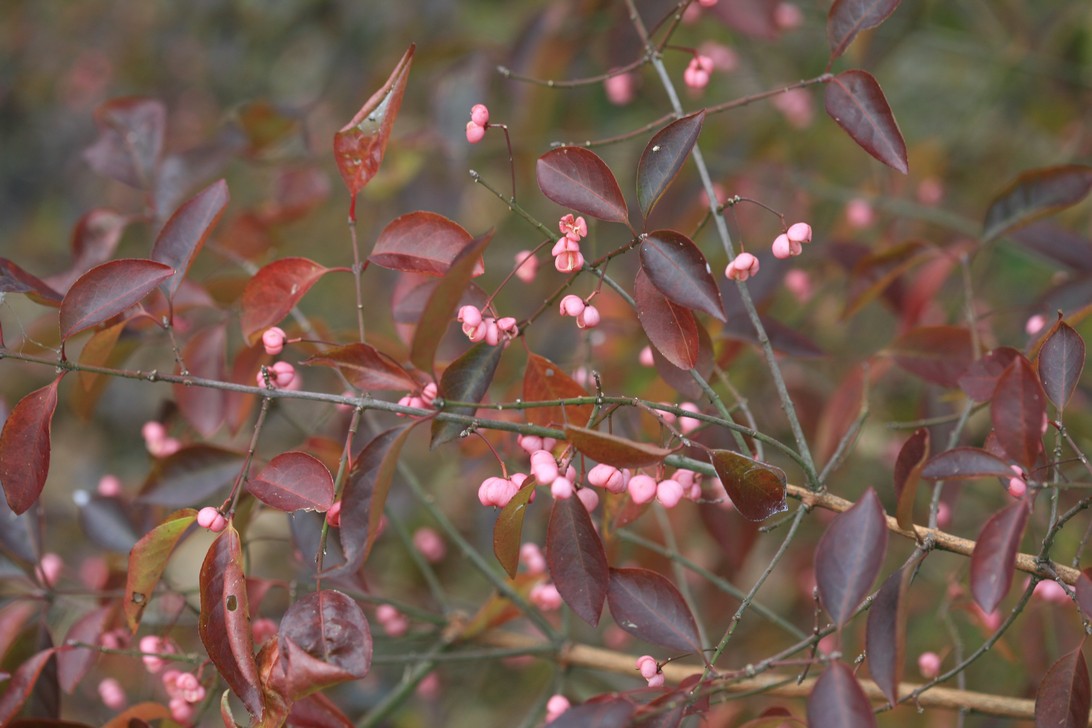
(757, 490)
(465, 380)
(147, 561)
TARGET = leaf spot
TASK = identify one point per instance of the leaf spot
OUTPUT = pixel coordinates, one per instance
(138, 598)
(232, 603)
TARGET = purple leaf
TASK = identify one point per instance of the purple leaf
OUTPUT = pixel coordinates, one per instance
(465, 380)
(980, 378)
(25, 447)
(107, 290)
(203, 407)
(908, 466)
(663, 157)
(671, 329)
(365, 367)
(130, 140)
(756, 489)
(14, 279)
(421, 242)
(578, 564)
(838, 700)
(1063, 699)
(1018, 411)
(294, 481)
(678, 270)
(849, 556)
(855, 101)
(578, 179)
(610, 713)
(1056, 244)
(191, 475)
(21, 684)
(1035, 194)
(74, 663)
(649, 607)
(680, 379)
(886, 634)
(1084, 593)
(993, 560)
(937, 354)
(614, 450)
(1061, 361)
(185, 233)
(847, 18)
(965, 462)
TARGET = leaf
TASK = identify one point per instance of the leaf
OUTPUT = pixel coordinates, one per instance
(872, 274)
(577, 562)
(1060, 363)
(365, 495)
(783, 339)
(273, 291)
(838, 700)
(224, 623)
(680, 379)
(107, 290)
(980, 378)
(294, 481)
(186, 231)
(614, 450)
(579, 180)
(21, 685)
(543, 381)
(1063, 698)
(993, 560)
(847, 18)
(937, 354)
(317, 711)
(610, 713)
(465, 380)
(141, 712)
(359, 145)
(1057, 244)
(130, 140)
(849, 556)
(1084, 593)
(671, 329)
(324, 640)
(962, 463)
(203, 407)
(663, 157)
(1036, 194)
(73, 663)
(25, 447)
(14, 279)
(191, 475)
(908, 466)
(508, 530)
(422, 242)
(757, 490)
(147, 561)
(885, 639)
(106, 521)
(649, 607)
(1018, 411)
(854, 100)
(439, 311)
(365, 367)
(678, 270)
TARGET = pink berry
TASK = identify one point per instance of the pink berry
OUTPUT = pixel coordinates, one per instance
(569, 262)
(1034, 325)
(155, 646)
(492, 332)
(588, 318)
(529, 443)
(742, 267)
(181, 711)
(656, 681)
(859, 213)
(478, 332)
(799, 284)
(507, 325)
(589, 498)
(574, 229)
(49, 568)
(669, 493)
(479, 114)
(642, 488)
(555, 706)
(474, 133)
(1017, 487)
(469, 316)
(565, 245)
(646, 665)
(606, 476)
(212, 519)
(787, 16)
(543, 466)
(527, 266)
(561, 488)
(430, 544)
(784, 248)
(944, 515)
(153, 432)
(1051, 591)
(429, 392)
(689, 424)
(546, 597)
(930, 191)
(620, 88)
(530, 555)
(273, 339)
(929, 665)
(645, 357)
(799, 232)
(707, 3)
(571, 305)
(282, 374)
(109, 486)
(112, 694)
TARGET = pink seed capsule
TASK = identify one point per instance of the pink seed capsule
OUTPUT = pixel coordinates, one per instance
(273, 339)
(571, 305)
(479, 114)
(474, 133)
(642, 488)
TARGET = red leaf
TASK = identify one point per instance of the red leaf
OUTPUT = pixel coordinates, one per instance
(908, 466)
(937, 354)
(203, 407)
(25, 447)
(185, 233)
(872, 274)
(130, 140)
(1063, 698)
(465, 380)
(294, 481)
(14, 279)
(508, 530)
(578, 564)
(191, 475)
(21, 685)
(680, 272)
(73, 663)
(757, 490)
(838, 700)
(993, 560)
(613, 450)
(680, 379)
(847, 18)
(317, 711)
(663, 157)
(147, 561)
(961, 463)
(422, 242)
(649, 607)
(439, 312)
(365, 494)
(980, 378)
(107, 290)
(324, 639)
(365, 367)
(886, 634)
(671, 329)
(360, 144)
(224, 624)
(1060, 363)
(855, 101)
(1018, 411)
(849, 556)
(543, 381)
(578, 179)
(1035, 194)
(273, 291)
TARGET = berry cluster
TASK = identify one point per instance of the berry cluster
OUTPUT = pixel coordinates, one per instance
(479, 327)
(566, 251)
(479, 122)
